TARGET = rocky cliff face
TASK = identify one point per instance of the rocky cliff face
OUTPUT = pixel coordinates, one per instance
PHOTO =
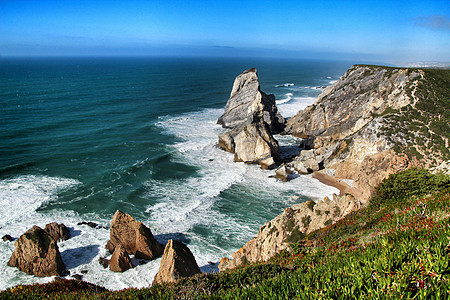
(252, 117)
(373, 122)
(290, 227)
(378, 120)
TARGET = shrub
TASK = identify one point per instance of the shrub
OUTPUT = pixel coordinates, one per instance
(412, 182)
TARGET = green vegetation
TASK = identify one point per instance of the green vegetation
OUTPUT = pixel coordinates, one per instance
(396, 247)
(423, 127)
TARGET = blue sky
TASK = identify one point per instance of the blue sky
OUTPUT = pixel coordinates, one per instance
(362, 30)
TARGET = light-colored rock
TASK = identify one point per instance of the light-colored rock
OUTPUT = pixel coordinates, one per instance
(120, 260)
(59, 232)
(36, 253)
(268, 163)
(306, 162)
(248, 104)
(283, 172)
(290, 227)
(177, 262)
(251, 143)
(134, 236)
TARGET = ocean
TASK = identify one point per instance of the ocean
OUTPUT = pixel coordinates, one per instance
(83, 137)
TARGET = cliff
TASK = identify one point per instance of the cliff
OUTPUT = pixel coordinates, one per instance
(375, 121)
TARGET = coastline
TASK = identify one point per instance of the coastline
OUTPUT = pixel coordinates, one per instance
(333, 181)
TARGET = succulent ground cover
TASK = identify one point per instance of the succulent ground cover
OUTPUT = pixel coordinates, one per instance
(396, 247)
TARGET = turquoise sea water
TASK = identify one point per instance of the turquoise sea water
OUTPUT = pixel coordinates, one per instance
(83, 137)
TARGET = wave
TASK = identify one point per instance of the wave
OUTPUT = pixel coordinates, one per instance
(23, 195)
(294, 105)
(285, 100)
(284, 85)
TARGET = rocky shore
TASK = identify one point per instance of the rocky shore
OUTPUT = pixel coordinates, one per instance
(351, 141)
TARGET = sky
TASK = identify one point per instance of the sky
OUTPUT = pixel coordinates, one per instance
(360, 30)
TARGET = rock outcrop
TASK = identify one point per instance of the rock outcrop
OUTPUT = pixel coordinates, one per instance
(251, 143)
(37, 253)
(290, 227)
(248, 103)
(59, 232)
(252, 117)
(120, 260)
(372, 122)
(177, 262)
(134, 236)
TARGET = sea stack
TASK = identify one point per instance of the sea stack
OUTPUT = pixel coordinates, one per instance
(252, 117)
(248, 104)
(133, 236)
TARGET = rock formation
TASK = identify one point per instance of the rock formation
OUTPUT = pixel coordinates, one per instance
(36, 253)
(290, 227)
(252, 117)
(120, 261)
(59, 232)
(177, 262)
(134, 236)
(7, 238)
(372, 122)
(251, 143)
(248, 103)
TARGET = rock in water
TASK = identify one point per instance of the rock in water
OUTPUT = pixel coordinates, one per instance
(252, 117)
(120, 261)
(59, 232)
(37, 253)
(7, 238)
(177, 262)
(134, 236)
(251, 143)
(248, 103)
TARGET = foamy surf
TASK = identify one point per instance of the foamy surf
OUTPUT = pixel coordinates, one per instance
(23, 195)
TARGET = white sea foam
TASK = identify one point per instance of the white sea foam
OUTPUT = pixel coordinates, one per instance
(288, 84)
(290, 108)
(285, 100)
(183, 204)
(22, 195)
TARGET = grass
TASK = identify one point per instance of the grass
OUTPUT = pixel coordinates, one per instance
(396, 247)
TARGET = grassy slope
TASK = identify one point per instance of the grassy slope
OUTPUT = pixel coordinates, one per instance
(397, 247)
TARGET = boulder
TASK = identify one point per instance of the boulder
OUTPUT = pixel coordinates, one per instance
(283, 172)
(251, 143)
(306, 162)
(134, 236)
(120, 260)
(103, 261)
(7, 238)
(177, 262)
(248, 103)
(36, 253)
(59, 232)
(268, 163)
